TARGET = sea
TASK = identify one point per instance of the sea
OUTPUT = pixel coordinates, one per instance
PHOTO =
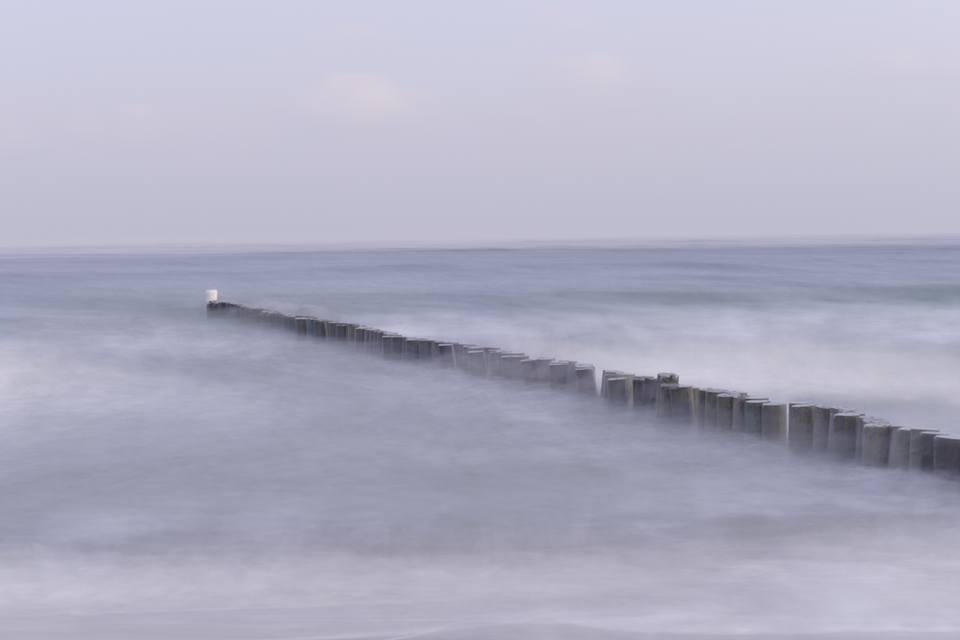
(165, 475)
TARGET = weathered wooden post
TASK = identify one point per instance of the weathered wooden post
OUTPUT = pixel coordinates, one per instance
(510, 365)
(739, 420)
(540, 370)
(661, 379)
(528, 368)
(647, 390)
(681, 404)
(638, 397)
(427, 349)
(329, 329)
(301, 325)
(821, 427)
(724, 410)
(620, 390)
(709, 416)
(604, 376)
(842, 438)
(921, 449)
(800, 434)
(445, 354)
(345, 331)
(858, 448)
(875, 447)
(899, 456)
(946, 456)
(664, 409)
(460, 355)
(586, 379)
(393, 345)
(773, 421)
(752, 414)
(563, 373)
(492, 361)
(412, 348)
(544, 369)
(477, 362)
(696, 416)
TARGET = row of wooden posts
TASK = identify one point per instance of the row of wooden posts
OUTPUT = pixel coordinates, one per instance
(804, 428)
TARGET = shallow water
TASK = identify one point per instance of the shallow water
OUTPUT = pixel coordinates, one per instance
(167, 474)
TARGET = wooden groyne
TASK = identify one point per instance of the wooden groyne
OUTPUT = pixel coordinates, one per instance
(806, 429)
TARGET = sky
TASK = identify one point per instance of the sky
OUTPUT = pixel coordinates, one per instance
(438, 122)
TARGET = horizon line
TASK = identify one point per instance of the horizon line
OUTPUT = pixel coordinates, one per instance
(528, 243)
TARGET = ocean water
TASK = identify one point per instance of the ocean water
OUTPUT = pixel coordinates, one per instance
(166, 475)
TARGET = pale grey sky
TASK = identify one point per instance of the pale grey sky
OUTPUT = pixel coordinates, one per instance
(135, 122)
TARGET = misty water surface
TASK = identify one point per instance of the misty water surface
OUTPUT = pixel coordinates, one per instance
(166, 475)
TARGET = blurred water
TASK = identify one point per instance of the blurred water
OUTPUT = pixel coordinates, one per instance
(165, 475)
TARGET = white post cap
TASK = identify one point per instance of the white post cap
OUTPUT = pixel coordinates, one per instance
(212, 295)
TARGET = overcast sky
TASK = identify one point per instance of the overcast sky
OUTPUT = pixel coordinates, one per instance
(136, 122)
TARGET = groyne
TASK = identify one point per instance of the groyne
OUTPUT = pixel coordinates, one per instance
(805, 428)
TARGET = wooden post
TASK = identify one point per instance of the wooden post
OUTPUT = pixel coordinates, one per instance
(946, 456)
(709, 416)
(541, 369)
(562, 374)
(875, 448)
(393, 345)
(800, 434)
(460, 355)
(724, 410)
(492, 362)
(899, 456)
(842, 438)
(510, 365)
(300, 325)
(586, 379)
(638, 393)
(648, 390)
(697, 407)
(663, 399)
(821, 427)
(604, 376)
(752, 416)
(739, 399)
(921, 449)
(681, 404)
(619, 390)
(329, 330)
(445, 354)
(773, 421)
(477, 362)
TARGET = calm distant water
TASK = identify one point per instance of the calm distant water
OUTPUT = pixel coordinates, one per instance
(155, 464)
